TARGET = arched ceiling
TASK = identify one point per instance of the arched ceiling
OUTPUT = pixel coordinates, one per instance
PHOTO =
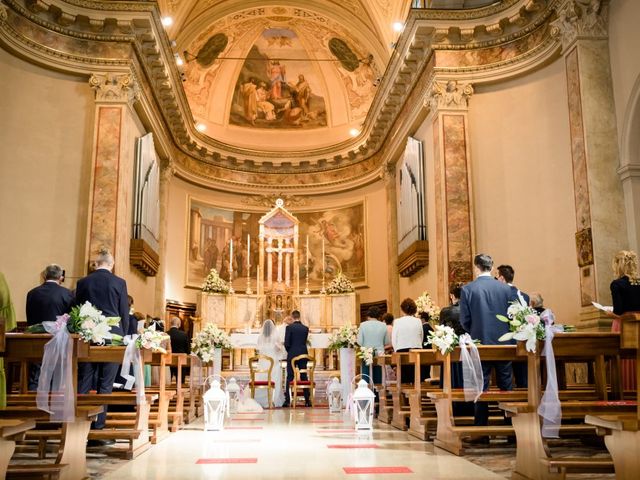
(282, 76)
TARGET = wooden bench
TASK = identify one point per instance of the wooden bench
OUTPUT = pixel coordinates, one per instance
(9, 430)
(622, 430)
(422, 413)
(385, 407)
(533, 457)
(399, 392)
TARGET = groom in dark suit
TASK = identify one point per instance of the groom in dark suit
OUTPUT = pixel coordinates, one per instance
(295, 343)
(480, 302)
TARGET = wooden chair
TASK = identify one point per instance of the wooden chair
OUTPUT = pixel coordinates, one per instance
(254, 368)
(298, 383)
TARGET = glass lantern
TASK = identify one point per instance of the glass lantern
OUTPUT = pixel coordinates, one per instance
(215, 406)
(233, 389)
(334, 392)
(363, 406)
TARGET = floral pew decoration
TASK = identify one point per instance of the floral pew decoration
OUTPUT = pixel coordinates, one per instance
(206, 347)
(425, 304)
(345, 341)
(444, 339)
(340, 285)
(526, 325)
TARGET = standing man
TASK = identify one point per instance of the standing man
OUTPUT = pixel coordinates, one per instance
(295, 342)
(107, 293)
(44, 304)
(480, 302)
(179, 344)
(506, 273)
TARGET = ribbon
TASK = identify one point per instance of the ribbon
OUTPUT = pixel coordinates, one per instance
(472, 377)
(195, 374)
(56, 374)
(132, 359)
(550, 409)
(347, 370)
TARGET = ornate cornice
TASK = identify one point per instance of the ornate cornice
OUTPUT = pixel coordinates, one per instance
(581, 19)
(268, 200)
(449, 95)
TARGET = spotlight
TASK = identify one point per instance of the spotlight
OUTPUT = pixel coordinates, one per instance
(354, 132)
(167, 21)
(201, 127)
(179, 61)
(398, 26)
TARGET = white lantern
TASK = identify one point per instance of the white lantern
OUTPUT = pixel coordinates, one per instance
(215, 406)
(363, 406)
(233, 389)
(334, 392)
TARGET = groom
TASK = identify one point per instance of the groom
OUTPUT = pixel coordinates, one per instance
(295, 342)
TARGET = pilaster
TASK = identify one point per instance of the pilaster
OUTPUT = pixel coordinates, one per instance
(389, 178)
(449, 102)
(599, 201)
(166, 175)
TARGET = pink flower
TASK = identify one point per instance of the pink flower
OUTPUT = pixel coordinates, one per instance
(532, 319)
(61, 321)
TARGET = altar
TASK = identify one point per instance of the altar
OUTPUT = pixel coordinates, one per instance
(281, 262)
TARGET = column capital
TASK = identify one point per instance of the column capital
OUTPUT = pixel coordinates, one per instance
(4, 13)
(114, 87)
(168, 170)
(388, 173)
(448, 95)
(580, 19)
(630, 170)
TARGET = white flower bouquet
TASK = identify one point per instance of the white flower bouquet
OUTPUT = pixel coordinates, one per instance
(345, 337)
(214, 284)
(443, 338)
(426, 304)
(206, 341)
(151, 339)
(366, 355)
(340, 284)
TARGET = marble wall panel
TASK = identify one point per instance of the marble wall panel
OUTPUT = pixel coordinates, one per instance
(439, 204)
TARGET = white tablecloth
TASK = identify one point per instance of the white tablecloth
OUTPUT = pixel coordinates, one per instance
(250, 340)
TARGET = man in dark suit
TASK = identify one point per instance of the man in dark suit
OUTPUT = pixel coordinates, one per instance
(179, 343)
(480, 302)
(506, 274)
(107, 293)
(295, 343)
(44, 304)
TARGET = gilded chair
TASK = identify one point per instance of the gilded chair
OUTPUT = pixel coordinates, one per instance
(254, 369)
(302, 378)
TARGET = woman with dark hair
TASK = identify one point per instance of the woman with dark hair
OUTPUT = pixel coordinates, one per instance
(387, 318)
(625, 293)
(407, 334)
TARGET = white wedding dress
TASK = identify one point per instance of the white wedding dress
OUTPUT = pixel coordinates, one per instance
(269, 346)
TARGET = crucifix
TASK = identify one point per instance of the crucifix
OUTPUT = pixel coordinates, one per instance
(284, 250)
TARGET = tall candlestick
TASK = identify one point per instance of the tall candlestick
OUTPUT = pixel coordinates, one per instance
(248, 253)
(323, 290)
(230, 257)
(306, 289)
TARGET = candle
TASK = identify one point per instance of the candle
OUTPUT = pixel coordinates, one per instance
(248, 252)
(307, 255)
(230, 257)
(323, 258)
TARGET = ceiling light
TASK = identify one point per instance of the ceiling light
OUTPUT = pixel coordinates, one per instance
(179, 61)
(354, 132)
(167, 21)
(398, 26)
(201, 127)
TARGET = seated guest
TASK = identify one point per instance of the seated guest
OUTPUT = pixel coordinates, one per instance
(450, 317)
(373, 334)
(179, 344)
(425, 318)
(407, 334)
(506, 275)
(480, 302)
(387, 318)
(537, 302)
(44, 304)
(625, 293)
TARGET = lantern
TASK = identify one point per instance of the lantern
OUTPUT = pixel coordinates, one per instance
(215, 406)
(233, 389)
(334, 392)
(363, 406)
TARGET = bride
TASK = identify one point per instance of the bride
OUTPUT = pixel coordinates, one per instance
(269, 346)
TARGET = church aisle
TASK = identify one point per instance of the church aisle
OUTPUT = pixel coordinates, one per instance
(295, 444)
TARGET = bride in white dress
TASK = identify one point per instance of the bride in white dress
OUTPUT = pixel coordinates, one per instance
(269, 346)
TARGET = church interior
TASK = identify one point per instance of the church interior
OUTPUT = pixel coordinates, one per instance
(243, 166)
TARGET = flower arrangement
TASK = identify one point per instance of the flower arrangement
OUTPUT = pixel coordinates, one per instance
(425, 304)
(365, 354)
(443, 338)
(152, 339)
(340, 284)
(88, 322)
(206, 341)
(526, 325)
(345, 337)
(214, 284)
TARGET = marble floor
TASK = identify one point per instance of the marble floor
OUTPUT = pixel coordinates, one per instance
(290, 444)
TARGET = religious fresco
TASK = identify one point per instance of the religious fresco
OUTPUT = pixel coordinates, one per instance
(275, 91)
(210, 230)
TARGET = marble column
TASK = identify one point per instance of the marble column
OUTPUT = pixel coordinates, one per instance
(165, 182)
(448, 102)
(389, 177)
(112, 166)
(599, 202)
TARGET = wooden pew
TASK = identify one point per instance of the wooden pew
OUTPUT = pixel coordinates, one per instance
(190, 410)
(71, 459)
(178, 411)
(399, 392)
(422, 416)
(622, 431)
(9, 430)
(385, 408)
(533, 456)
